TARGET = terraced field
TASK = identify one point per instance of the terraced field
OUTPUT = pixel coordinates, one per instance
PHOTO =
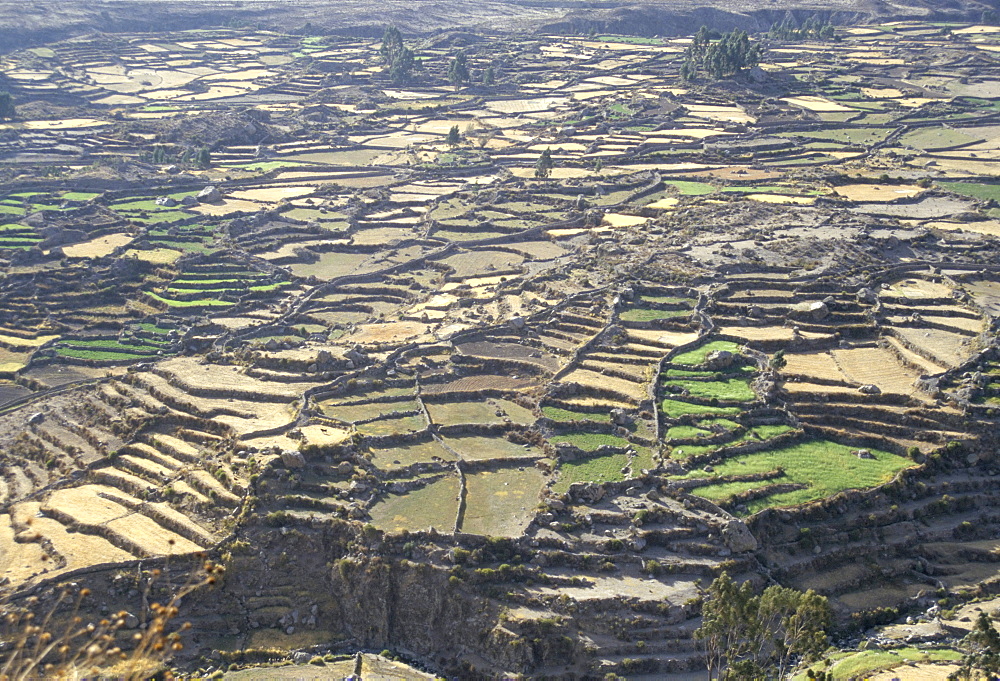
(259, 300)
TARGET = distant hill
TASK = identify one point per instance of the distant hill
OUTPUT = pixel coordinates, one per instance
(23, 25)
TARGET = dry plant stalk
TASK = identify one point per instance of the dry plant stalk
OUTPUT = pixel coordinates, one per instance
(74, 649)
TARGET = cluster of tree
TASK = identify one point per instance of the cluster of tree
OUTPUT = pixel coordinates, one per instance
(728, 55)
(201, 156)
(397, 56)
(6, 105)
(812, 28)
(747, 636)
(458, 71)
(401, 61)
(982, 652)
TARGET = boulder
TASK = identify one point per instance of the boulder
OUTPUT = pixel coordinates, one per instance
(738, 537)
(517, 323)
(719, 359)
(819, 311)
(293, 459)
(586, 492)
(345, 468)
(209, 195)
(870, 389)
(166, 201)
(815, 311)
(620, 417)
(189, 201)
(864, 454)
(866, 295)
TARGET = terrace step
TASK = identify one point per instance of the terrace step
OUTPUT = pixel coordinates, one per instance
(177, 448)
(204, 482)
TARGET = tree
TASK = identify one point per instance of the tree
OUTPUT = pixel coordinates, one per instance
(458, 72)
(730, 54)
(454, 137)
(543, 168)
(982, 652)
(392, 44)
(401, 66)
(489, 75)
(755, 637)
(204, 157)
(400, 58)
(812, 28)
(778, 361)
(6, 105)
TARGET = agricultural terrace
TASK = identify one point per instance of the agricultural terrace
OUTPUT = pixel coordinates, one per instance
(258, 284)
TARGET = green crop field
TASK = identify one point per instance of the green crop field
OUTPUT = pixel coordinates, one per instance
(731, 389)
(821, 466)
(697, 355)
(99, 355)
(687, 373)
(688, 188)
(685, 451)
(674, 408)
(557, 414)
(667, 300)
(639, 314)
(590, 441)
(595, 469)
(977, 190)
(766, 432)
(205, 302)
(686, 432)
(859, 665)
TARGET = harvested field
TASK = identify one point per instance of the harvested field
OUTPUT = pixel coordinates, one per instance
(942, 347)
(434, 505)
(817, 365)
(481, 382)
(629, 389)
(501, 503)
(389, 332)
(402, 456)
(478, 448)
(876, 366)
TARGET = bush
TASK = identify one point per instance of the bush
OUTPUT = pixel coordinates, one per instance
(7, 109)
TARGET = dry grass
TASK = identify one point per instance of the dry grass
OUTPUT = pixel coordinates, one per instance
(390, 332)
(593, 379)
(876, 366)
(58, 643)
(819, 365)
